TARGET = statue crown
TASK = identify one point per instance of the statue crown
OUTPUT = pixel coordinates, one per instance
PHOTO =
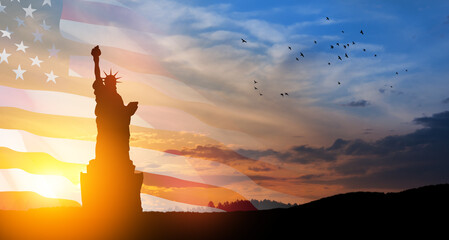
(111, 77)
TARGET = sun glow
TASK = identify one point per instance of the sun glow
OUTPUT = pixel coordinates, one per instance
(46, 189)
(50, 186)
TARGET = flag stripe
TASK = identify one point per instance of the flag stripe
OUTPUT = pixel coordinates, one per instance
(44, 164)
(40, 164)
(141, 63)
(111, 36)
(184, 168)
(50, 103)
(192, 195)
(190, 171)
(85, 129)
(153, 203)
(81, 152)
(189, 145)
(145, 94)
(113, 2)
(100, 14)
(183, 122)
(22, 201)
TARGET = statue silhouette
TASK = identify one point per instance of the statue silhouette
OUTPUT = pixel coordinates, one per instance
(111, 183)
(113, 117)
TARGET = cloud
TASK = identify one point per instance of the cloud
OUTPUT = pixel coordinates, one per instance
(260, 169)
(393, 162)
(219, 154)
(359, 103)
(438, 121)
(302, 154)
(222, 35)
(445, 101)
(181, 16)
(311, 176)
(434, 133)
(399, 161)
(257, 154)
(212, 152)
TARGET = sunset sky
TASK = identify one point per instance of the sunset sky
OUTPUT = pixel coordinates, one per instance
(202, 47)
(375, 120)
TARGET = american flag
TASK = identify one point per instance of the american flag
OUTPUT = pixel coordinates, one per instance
(47, 132)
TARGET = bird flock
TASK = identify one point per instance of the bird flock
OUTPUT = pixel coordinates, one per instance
(339, 58)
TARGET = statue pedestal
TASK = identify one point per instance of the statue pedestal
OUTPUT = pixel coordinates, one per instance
(111, 187)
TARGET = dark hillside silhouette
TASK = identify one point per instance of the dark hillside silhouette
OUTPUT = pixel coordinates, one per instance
(410, 201)
(358, 215)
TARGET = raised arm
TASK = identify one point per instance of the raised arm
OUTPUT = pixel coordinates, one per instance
(96, 54)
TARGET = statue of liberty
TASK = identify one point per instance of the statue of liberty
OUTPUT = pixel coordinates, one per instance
(111, 184)
(113, 117)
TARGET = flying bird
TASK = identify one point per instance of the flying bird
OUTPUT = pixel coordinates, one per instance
(397, 73)
(289, 47)
(338, 44)
(255, 81)
(286, 94)
(327, 18)
(406, 70)
(255, 88)
(339, 83)
(347, 44)
(342, 31)
(364, 50)
(243, 40)
(297, 59)
(346, 55)
(353, 42)
(339, 57)
(314, 41)
(302, 55)
(375, 55)
(282, 94)
(361, 31)
(332, 47)
(344, 46)
(328, 63)
(260, 94)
